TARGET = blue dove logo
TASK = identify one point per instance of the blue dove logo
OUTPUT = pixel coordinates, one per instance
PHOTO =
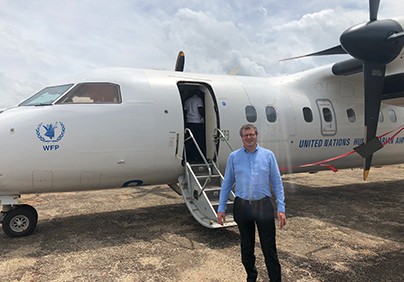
(50, 132)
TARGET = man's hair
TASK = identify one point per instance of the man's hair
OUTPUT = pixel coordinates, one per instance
(248, 126)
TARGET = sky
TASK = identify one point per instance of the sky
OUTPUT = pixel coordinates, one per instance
(45, 40)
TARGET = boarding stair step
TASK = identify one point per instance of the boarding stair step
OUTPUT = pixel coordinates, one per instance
(203, 204)
(201, 169)
(215, 180)
(229, 206)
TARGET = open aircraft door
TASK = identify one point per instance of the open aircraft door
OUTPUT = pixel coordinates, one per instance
(211, 118)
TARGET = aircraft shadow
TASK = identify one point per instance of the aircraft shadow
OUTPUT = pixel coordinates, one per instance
(374, 208)
(370, 268)
(164, 222)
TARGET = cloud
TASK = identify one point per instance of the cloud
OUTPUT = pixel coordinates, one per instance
(44, 40)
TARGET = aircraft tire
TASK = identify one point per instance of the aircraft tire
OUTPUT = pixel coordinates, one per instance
(20, 221)
(30, 208)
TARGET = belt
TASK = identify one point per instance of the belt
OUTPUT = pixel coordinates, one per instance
(254, 201)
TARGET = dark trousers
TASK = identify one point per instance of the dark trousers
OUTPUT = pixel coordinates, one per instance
(198, 131)
(247, 214)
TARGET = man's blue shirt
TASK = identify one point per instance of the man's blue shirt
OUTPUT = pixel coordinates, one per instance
(254, 173)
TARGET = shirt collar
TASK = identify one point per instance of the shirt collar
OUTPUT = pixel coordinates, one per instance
(256, 149)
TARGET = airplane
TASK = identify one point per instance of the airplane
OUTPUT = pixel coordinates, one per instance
(121, 127)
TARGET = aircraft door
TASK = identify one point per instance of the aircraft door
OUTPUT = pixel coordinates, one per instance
(211, 122)
(210, 119)
(328, 121)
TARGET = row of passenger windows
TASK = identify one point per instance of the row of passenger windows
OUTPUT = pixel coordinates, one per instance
(272, 116)
(251, 113)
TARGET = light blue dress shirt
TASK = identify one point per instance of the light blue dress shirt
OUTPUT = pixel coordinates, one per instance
(254, 173)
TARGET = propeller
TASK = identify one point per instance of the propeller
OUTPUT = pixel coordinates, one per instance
(179, 64)
(373, 9)
(375, 44)
(337, 50)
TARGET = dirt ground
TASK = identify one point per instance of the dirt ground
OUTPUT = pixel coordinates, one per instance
(339, 228)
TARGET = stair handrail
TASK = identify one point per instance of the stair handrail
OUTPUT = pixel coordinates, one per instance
(216, 139)
(223, 137)
(191, 136)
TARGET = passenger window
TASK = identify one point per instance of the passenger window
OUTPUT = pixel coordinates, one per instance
(93, 93)
(327, 115)
(271, 113)
(307, 114)
(393, 116)
(251, 114)
(351, 115)
(381, 116)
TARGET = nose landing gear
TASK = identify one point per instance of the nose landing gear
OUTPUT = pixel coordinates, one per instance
(18, 220)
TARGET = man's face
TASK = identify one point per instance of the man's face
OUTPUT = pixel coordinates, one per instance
(249, 138)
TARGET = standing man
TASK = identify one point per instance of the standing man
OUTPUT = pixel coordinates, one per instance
(194, 112)
(255, 171)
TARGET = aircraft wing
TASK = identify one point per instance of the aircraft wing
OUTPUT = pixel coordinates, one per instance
(393, 88)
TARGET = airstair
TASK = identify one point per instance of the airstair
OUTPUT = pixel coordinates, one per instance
(200, 187)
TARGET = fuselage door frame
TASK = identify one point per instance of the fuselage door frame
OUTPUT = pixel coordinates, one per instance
(328, 121)
(211, 120)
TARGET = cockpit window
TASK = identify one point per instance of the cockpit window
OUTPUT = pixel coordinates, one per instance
(93, 93)
(46, 96)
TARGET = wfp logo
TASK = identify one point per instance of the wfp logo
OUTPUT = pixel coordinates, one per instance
(50, 133)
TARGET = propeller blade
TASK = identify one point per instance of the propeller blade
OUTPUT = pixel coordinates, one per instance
(337, 50)
(373, 9)
(374, 80)
(179, 64)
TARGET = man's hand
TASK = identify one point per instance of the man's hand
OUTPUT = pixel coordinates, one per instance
(281, 218)
(221, 218)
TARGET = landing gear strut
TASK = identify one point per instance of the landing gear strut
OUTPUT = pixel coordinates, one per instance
(18, 220)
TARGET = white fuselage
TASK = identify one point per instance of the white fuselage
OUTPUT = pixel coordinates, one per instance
(141, 139)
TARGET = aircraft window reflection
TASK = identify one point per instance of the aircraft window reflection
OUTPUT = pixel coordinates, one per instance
(251, 114)
(327, 114)
(351, 115)
(271, 113)
(307, 114)
(46, 96)
(393, 116)
(93, 93)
